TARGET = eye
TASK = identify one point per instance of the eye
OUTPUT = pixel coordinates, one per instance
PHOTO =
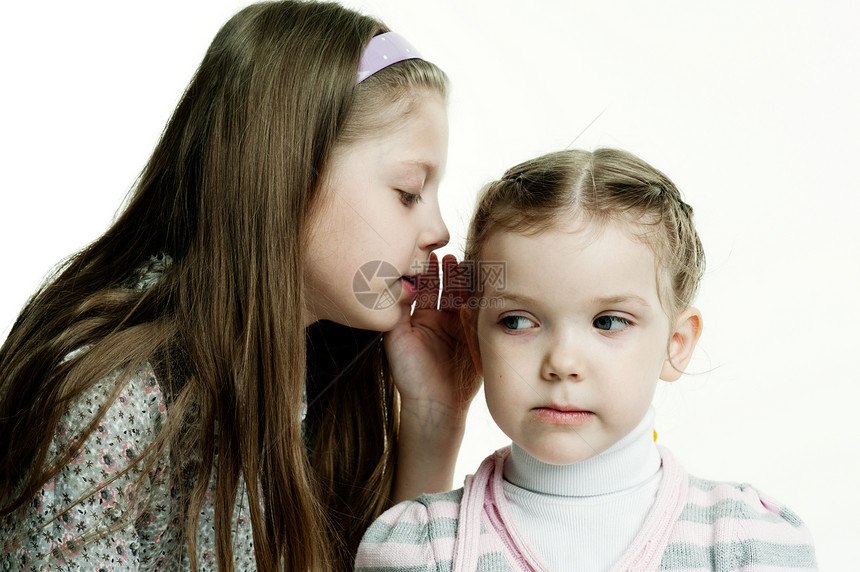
(516, 323)
(610, 323)
(409, 199)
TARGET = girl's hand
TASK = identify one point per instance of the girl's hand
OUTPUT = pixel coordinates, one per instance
(436, 380)
(425, 350)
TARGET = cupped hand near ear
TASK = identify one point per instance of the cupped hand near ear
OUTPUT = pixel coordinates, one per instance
(425, 349)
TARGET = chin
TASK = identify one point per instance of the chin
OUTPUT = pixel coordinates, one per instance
(378, 320)
(560, 456)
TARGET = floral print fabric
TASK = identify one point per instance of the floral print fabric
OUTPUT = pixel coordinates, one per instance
(51, 531)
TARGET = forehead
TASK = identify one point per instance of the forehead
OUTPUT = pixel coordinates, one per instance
(412, 131)
(381, 112)
(580, 257)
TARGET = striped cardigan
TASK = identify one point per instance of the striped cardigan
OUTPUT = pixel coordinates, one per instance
(694, 525)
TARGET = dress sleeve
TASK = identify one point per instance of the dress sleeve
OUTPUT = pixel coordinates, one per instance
(57, 528)
(772, 535)
(736, 527)
(400, 539)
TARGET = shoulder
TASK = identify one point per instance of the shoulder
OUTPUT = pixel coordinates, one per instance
(412, 535)
(709, 501)
(134, 414)
(735, 525)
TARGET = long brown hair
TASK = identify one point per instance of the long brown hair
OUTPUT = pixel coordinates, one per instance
(226, 194)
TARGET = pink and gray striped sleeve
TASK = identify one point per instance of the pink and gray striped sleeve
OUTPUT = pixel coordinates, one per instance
(738, 527)
(413, 535)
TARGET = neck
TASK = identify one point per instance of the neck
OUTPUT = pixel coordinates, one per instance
(626, 464)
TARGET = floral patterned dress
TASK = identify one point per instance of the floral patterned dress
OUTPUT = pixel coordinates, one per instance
(149, 536)
(35, 539)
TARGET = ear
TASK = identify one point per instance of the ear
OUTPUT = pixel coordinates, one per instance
(688, 328)
(469, 319)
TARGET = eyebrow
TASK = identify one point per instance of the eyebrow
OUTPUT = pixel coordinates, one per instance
(621, 299)
(428, 167)
(512, 296)
(602, 301)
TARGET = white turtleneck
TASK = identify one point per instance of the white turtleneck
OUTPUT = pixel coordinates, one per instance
(583, 516)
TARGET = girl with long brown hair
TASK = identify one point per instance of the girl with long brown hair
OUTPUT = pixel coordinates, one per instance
(206, 385)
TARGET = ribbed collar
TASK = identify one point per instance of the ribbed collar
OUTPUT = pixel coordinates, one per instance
(626, 464)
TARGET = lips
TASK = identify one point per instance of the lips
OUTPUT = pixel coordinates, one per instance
(562, 415)
(408, 285)
(565, 408)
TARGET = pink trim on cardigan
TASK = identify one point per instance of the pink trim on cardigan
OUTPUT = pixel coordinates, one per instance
(485, 489)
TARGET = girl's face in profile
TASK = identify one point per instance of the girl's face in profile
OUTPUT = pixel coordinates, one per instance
(378, 222)
(573, 344)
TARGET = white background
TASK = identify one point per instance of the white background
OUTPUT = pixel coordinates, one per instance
(752, 108)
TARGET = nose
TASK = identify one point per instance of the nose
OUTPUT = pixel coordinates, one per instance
(435, 234)
(562, 360)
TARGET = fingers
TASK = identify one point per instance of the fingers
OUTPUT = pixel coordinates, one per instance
(456, 282)
(427, 285)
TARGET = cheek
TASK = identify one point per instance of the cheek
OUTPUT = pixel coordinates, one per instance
(322, 239)
(323, 262)
(507, 390)
(644, 358)
(497, 376)
(656, 355)
(500, 402)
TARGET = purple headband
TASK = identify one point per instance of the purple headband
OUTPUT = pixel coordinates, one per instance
(382, 51)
